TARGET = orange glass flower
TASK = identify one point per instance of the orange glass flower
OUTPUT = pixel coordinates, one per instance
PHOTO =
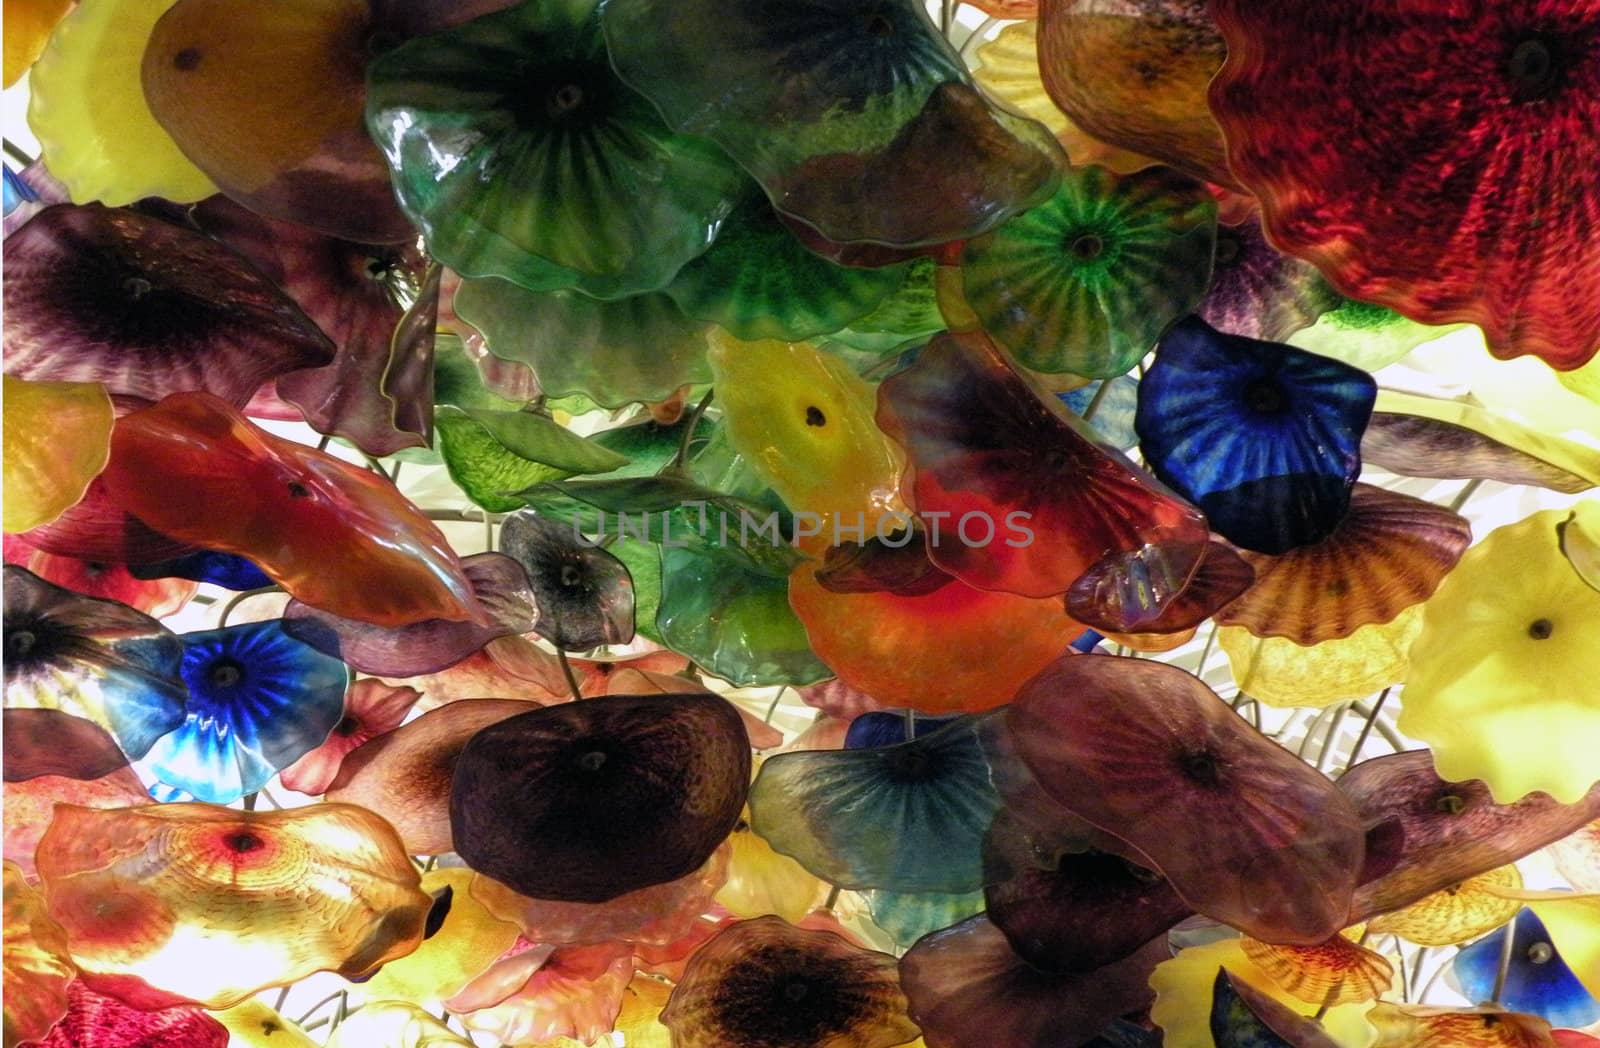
(37, 967)
(1335, 972)
(336, 537)
(1388, 553)
(1403, 1026)
(1455, 914)
(927, 651)
(194, 902)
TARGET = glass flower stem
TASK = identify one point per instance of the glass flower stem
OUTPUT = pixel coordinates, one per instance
(1466, 493)
(240, 598)
(689, 426)
(1366, 729)
(15, 152)
(1095, 401)
(1506, 947)
(1205, 652)
(315, 1008)
(832, 900)
(1331, 736)
(910, 716)
(566, 669)
(976, 36)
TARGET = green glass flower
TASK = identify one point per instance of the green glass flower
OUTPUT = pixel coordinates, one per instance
(1086, 282)
(734, 622)
(632, 349)
(521, 155)
(855, 116)
(759, 281)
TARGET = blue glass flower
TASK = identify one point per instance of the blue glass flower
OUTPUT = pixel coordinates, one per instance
(1266, 438)
(1538, 981)
(906, 818)
(16, 191)
(888, 728)
(1112, 416)
(258, 701)
(228, 570)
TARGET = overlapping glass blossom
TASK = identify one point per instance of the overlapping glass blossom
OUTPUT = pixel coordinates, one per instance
(833, 550)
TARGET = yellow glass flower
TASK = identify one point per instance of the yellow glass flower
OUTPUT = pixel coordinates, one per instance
(57, 439)
(465, 945)
(1580, 541)
(28, 25)
(254, 1024)
(1502, 680)
(1184, 985)
(88, 111)
(1410, 1026)
(1584, 381)
(1456, 914)
(393, 1024)
(1280, 672)
(760, 881)
(805, 421)
(36, 967)
(1010, 72)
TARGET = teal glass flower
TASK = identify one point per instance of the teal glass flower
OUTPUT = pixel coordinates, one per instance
(520, 154)
(856, 117)
(1086, 282)
(906, 818)
(259, 700)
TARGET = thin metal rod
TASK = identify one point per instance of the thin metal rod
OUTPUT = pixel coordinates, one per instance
(572, 678)
(1099, 397)
(689, 427)
(240, 598)
(16, 152)
(976, 34)
(1366, 729)
(1465, 494)
(1332, 735)
(1507, 946)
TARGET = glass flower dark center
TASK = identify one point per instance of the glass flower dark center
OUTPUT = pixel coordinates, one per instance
(783, 996)
(1541, 953)
(136, 287)
(593, 760)
(815, 417)
(562, 95)
(1450, 804)
(879, 25)
(224, 673)
(378, 267)
(1535, 67)
(347, 727)
(911, 764)
(1264, 396)
(1086, 247)
(1541, 629)
(571, 575)
(243, 841)
(187, 60)
(564, 99)
(19, 643)
(1201, 766)
(33, 641)
(298, 490)
(1228, 248)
